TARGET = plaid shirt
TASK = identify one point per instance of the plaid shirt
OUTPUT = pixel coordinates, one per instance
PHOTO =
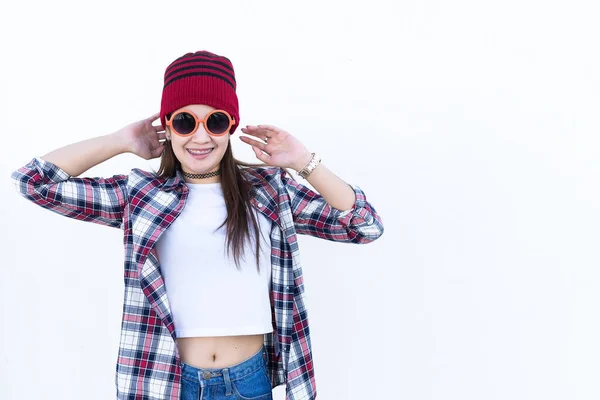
(143, 205)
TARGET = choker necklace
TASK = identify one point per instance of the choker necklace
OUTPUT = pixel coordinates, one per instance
(201, 176)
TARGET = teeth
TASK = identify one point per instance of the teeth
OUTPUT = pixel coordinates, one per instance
(200, 152)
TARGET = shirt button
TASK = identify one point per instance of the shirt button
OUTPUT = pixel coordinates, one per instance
(260, 205)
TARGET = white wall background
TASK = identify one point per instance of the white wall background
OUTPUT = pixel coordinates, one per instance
(472, 126)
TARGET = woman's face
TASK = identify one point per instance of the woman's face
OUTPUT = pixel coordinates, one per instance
(202, 141)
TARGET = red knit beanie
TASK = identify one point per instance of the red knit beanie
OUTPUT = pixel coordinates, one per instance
(200, 78)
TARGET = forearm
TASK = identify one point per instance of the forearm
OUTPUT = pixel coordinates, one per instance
(78, 157)
(337, 193)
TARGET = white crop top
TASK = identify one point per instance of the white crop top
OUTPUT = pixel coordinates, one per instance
(208, 295)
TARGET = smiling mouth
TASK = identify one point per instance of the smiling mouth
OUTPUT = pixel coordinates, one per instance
(200, 152)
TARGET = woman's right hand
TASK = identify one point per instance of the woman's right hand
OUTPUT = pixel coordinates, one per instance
(142, 138)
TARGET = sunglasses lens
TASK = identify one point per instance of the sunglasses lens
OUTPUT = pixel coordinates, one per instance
(218, 123)
(184, 123)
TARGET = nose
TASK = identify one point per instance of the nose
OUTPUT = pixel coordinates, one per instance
(201, 135)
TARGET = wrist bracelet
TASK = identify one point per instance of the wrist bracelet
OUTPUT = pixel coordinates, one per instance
(314, 161)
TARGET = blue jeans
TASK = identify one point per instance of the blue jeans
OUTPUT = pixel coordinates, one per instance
(247, 380)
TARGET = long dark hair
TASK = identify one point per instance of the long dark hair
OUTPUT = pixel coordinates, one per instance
(237, 194)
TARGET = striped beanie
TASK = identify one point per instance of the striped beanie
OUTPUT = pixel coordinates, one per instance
(200, 78)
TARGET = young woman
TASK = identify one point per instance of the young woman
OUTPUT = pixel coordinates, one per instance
(213, 305)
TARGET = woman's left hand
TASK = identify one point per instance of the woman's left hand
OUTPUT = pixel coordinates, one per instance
(277, 148)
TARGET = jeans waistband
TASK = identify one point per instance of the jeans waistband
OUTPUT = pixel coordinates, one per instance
(214, 376)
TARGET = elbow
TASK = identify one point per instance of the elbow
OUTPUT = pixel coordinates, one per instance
(21, 185)
(368, 234)
(28, 185)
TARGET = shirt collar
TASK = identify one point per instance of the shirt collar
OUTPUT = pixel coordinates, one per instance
(174, 181)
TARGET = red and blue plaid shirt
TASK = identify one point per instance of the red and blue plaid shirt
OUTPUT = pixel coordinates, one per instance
(143, 205)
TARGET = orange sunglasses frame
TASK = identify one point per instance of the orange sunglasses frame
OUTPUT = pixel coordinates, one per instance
(200, 121)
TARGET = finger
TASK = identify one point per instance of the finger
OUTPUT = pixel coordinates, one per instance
(260, 155)
(253, 142)
(154, 117)
(255, 131)
(162, 136)
(158, 151)
(271, 128)
(158, 128)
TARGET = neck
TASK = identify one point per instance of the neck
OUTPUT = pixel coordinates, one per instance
(213, 176)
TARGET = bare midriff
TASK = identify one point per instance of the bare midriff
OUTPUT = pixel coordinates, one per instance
(218, 351)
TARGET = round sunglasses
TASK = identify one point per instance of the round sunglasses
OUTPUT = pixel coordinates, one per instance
(185, 123)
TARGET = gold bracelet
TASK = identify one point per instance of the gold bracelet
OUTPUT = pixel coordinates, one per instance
(312, 164)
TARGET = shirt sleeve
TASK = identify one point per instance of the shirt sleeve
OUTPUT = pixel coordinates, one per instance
(313, 216)
(98, 200)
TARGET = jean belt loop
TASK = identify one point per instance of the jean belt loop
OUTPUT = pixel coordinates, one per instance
(228, 388)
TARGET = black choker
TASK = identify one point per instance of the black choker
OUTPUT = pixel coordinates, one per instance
(202, 176)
